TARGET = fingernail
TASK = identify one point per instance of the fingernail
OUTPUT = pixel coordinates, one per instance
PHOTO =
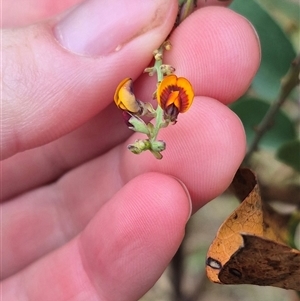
(188, 197)
(100, 27)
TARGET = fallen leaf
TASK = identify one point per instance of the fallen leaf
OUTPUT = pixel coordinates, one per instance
(263, 262)
(275, 224)
(251, 218)
(243, 183)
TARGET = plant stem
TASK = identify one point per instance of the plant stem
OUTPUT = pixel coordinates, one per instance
(288, 83)
(159, 111)
(187, 6)
(177, 273)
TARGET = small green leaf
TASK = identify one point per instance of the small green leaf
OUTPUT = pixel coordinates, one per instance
(289, 153)
(277, 50)
(251, 111)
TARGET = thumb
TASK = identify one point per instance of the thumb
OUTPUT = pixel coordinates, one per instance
(60, 73)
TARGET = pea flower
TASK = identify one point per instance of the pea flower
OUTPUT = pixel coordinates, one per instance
(174, 95)
(125, 98)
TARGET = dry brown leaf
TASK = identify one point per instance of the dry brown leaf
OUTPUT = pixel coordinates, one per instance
(263, 262)
(243, 183)
(252, 217)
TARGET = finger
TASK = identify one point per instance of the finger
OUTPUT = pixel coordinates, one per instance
(44, 164)
(24, 12)
(215, 72)
(126, 246)
(204, 149)
(49, 91)
(203, 3)
(229, 76)
(220, 57)
(21, 13)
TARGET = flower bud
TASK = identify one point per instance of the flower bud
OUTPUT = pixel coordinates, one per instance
(139, 146)
(150, 70)
(167, 69)
(158, 146)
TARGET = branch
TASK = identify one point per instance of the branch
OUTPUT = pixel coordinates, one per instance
(288, 83)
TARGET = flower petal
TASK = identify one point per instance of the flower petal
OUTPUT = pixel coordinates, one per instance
(163, 90)
(176, 91)
(187, 94)
(125, 98)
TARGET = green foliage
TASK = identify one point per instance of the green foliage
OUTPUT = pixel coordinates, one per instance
(289, 153)
(251, 111)
(277, 50)
(267, 89)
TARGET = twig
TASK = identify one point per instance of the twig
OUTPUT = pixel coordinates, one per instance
(177, 273)
(288, 83)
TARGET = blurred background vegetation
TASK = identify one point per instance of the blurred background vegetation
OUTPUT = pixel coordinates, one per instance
(275, 157)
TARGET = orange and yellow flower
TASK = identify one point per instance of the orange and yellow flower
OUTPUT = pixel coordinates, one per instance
(174, 95)
(125, 98)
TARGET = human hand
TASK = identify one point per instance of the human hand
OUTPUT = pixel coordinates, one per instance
(82, 217)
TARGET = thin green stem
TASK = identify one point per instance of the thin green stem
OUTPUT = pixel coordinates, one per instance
(157, 66)
(159, 111)
(187, 6)
(158, 123)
